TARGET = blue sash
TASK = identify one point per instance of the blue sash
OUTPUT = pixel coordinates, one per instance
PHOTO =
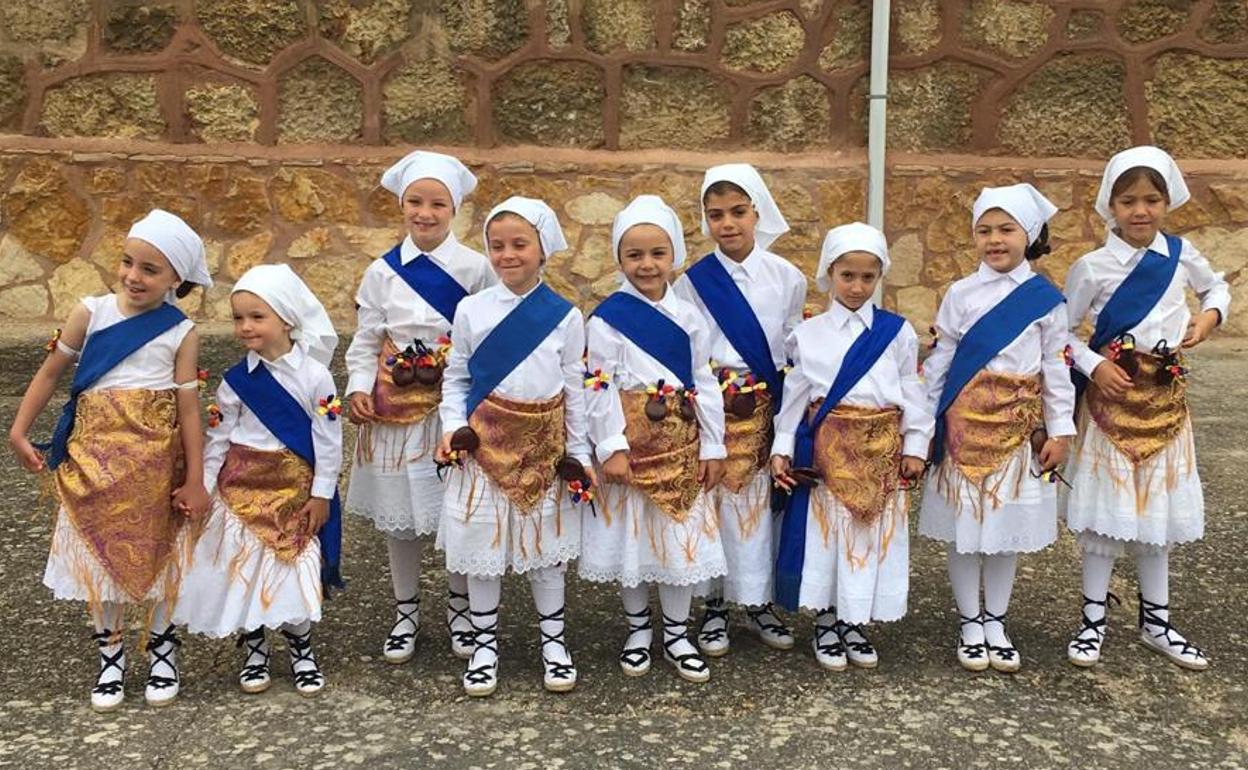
(431, 282)
(1134, 299)
(736, 319)
(509, 343)
(286, 419)
(101, 352)
(861, 356)
(652, 331)
(994, 330)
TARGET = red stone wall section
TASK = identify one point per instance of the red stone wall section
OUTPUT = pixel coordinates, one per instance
(1057, 78)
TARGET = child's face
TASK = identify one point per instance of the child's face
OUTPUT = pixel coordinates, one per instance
(515, 252)
(732, 219)
(1000, 242)
(144, 275)
(427, 211)
(854, 276)
(1140, 211)
(646, 258)
(258, 327)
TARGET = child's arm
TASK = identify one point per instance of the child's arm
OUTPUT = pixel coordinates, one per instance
(218, 443)
(709, 408)
(361, 357)
(605, 414)
(936, 367)
(1080, 291)
(455, 383)
(797, 395)
(1214, 294)
(796, 306)
(191, 498)
(43, 384)
(576, 421)
(917, 423)
(1058, 390)
(327, 446)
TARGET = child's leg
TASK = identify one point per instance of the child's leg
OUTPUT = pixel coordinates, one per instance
(677, 647)
(255, 676)
(1153, 565)
(713, 634)
(108, 618)
(307, 675)
(964, 576)
(163, 681)
(548, 597)
(829, 649)
(405, 578)
(457, 621)
(1098, 567)
(999, 571)
(635, 657)
(481, 673)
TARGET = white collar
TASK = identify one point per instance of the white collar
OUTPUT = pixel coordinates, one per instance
(751, 264)
(667, 303)
(1125, 252)
(840, 315)
(1018, 275)
(291, 361)
(508, 297)
(443, 254)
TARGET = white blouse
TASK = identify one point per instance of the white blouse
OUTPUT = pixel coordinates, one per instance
(1039, 349)
(817, 348)
(775, 289)
(308, 381)
(631, 368)
(148, 368)
(389, 307)
(1094, 278)
(553, 366)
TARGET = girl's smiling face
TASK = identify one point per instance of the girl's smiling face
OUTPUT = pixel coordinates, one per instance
(144, 276)
(1000, 242)
(427, 212)
(646, 258)
(515, 251)
(1139, 210)
(731, 217)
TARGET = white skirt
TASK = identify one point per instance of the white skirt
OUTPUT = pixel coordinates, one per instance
(631, 542)
(1159, 503)
(1018, 513)
(74, 573)
(483, 534)
(234, 582)
(750, 535)
(863, 570)
(394, 481)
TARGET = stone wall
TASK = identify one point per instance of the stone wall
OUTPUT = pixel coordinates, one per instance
(266, 123)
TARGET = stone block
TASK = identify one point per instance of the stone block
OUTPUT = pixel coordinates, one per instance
(71, 282)
(1085, 24)
(916, 25)
(366, 30)
(1074, 104)
(851, 42)
(25, 303)
(12, 90)
(428, 100)
(550, 103)
(1142, 21)
(1196, 105)
(843, 200)
(139, 28)
(42, 210)
(242, 208)
(693, 25)
(488, 28)
(918, 305)
(1234, 199)
(791, 116)
(1227, 22)
(309, 244)
(906, 254)
(619, 25)
(308, 194)
(246, 254)
(558, 24)
(122, 105)
(252, 31)
(1012, 28)
(17, 265)
(767, 44)
(929, 108)
(46, 20)
(222, 112)
(595, 208)
(319, 102)
(656, 104)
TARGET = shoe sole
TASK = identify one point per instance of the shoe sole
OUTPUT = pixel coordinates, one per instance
(1005, 669)
(975, 667)
(310, 693)
(634, 672)
(480, 693)
(461, 654)
(255, 689)
(559, 686)
(160, 704)
(688, 676)
(399, 661)
(864, 664)
(107, 709)
(778, 645)
(1082, 663)
(712, 652)
(832, 667)
(1183, 664)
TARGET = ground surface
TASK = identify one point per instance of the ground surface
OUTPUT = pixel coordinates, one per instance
(762, 709)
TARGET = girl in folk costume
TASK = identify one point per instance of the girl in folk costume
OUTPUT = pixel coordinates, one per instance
(751, 299)
(273, 456)
(131, 425)
(1133, 469)
(851, 436)
(513, 416)
(1003, 400)
(657, 421)
(406, 301)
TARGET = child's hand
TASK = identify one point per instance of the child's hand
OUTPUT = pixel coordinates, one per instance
(616, 469)
(1200, 327)
(710, 473)
(780, 472)
(1111, 379)
(1054, 452)
(443, 452)
(591, 474)
(315, 512)
(191, 500)
(912, 467)
(30, 458)
(362, 410)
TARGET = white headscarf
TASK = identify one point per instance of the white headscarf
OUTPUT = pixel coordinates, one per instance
(295, 304)
(536, 213)
(430, 165)
(178, 242)
(650, 210)
(1022, 202)
(1151, 157)
(846, 238)
(771, 224)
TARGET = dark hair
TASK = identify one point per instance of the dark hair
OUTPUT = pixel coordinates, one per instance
(186, 287)
(1039, 247)
(723, 187)
(1135, 174)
